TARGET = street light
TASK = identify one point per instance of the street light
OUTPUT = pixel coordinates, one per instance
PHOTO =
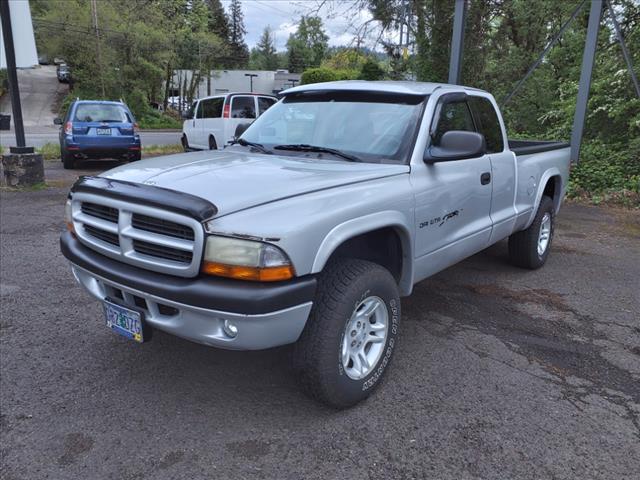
(251, 75)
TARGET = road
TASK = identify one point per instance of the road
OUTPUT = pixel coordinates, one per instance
(39, 93)
(38, 137)
(500, 373)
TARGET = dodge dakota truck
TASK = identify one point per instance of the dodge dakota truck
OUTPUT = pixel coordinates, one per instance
(311, 227)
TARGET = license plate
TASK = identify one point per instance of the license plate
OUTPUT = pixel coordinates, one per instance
(123, 321)
(103, 131)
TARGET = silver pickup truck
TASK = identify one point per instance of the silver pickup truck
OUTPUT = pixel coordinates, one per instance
(308, 230)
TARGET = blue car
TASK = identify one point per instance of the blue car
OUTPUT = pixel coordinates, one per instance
(98, 129)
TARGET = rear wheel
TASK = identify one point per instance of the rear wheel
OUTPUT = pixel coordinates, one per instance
(212, 143)
(185, 143)
(68, 160)
(530, 248)
(350, 335)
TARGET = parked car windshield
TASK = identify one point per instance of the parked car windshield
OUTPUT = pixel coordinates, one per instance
(370, 126)
(100, 112)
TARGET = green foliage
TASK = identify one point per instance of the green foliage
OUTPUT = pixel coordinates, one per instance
(308, 46)
(371, 70)
(264, 55)
(502, 40)
(318, 75)
(238, 50)
(49, 151)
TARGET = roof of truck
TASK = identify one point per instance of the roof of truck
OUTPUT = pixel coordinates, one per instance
(410, 88)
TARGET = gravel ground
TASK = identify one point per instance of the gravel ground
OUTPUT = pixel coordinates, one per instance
(500, 373)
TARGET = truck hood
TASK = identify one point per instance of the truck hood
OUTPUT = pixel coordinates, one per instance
(236, 179)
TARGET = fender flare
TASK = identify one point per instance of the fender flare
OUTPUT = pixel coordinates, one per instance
(544, 179)
(358, 226)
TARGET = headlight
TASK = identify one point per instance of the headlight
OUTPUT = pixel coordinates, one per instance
(68, 217)
(245, 260)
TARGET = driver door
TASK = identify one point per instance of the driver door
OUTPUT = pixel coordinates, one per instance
(453, 198)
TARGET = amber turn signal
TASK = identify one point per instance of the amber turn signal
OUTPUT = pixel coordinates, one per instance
(256, 274)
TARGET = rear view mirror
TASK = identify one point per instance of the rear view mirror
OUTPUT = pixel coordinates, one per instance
(456, 145)
(57, 121)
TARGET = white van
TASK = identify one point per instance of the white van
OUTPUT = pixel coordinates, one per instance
(211, 121)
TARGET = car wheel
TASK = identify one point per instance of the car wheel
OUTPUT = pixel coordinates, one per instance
(185, 143)
(530, 248)
(351, 333)
(136, 156)
(212, 143)
(68, 160)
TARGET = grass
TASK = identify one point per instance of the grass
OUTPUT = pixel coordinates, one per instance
(162, 149)
(49, 151)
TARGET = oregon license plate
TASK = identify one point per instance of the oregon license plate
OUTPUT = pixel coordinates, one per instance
(103, 131)
(123, 321)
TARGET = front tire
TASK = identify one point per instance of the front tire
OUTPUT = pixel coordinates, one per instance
(530, 248)
(185, 143)
(351, 333)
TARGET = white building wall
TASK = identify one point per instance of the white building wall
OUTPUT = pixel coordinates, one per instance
(231, 81)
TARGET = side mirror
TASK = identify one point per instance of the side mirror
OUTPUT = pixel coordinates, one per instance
(57, 121)
(240, 129)
(456, 145)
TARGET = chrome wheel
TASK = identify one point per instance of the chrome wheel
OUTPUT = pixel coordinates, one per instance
(545, 234)
(364, 337)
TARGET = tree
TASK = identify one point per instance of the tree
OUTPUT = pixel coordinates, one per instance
(218, 22)
(308, 46)
(371, 71)
(264, 56)
(238, 49)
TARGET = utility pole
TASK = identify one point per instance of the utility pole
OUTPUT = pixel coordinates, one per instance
(12, 77)
(94, 11)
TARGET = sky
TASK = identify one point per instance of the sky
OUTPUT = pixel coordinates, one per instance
(282, 17)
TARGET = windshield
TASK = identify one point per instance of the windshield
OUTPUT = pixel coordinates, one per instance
(370, 126)
(100, 112)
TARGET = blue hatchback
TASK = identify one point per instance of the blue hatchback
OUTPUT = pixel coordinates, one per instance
(98, 129)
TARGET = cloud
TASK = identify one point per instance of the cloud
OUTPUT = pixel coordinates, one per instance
(282, 16)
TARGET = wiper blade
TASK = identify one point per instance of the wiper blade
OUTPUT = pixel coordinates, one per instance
(303, 147)
(257, 146)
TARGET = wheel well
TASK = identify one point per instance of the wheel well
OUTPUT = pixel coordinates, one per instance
(552, 189)
(382, 246)
(212, 137)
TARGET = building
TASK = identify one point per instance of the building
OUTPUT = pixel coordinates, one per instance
(229, 81)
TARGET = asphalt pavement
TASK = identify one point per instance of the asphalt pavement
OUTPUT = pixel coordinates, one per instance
(500, 373)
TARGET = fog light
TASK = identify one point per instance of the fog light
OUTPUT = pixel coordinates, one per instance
(230, 329)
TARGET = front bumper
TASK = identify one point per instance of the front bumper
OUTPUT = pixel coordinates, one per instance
(265, 315)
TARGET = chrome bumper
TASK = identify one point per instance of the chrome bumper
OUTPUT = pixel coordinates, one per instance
(200, 325)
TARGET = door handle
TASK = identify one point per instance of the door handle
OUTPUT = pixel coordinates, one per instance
(485, 178)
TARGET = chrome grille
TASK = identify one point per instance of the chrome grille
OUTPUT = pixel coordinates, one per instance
(100, 211)
(167, 253)
(100, 234)
(159, 225)
(139, 235)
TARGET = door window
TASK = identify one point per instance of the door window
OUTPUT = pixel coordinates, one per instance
(454, 116)
(264, 103)
(488, 123)
(212, 107)
(199, 111)
(243, 107)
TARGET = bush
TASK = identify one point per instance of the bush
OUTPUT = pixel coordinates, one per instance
(318, 75)
(4, 87)
(371, 71)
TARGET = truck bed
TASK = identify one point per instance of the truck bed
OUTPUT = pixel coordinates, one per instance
(528, 147)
